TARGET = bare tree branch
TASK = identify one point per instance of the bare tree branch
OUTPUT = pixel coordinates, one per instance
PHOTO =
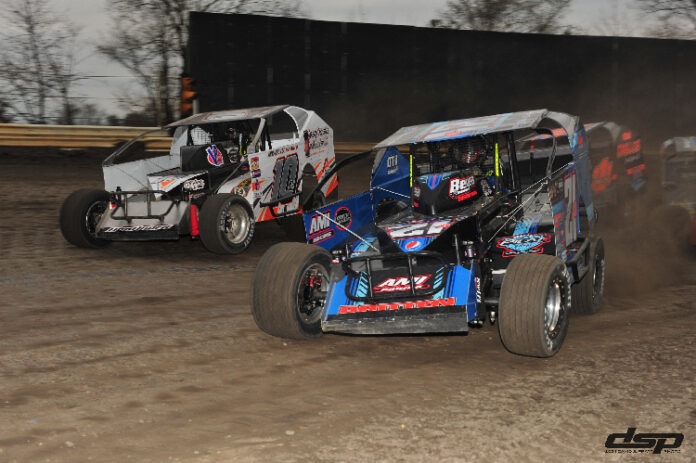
(36, 60)
(536, 16)
(149, 39)
(677, 17)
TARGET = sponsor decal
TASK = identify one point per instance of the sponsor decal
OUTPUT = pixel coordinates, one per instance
(603, 175)
(635, 170)
(195, 184)
(284, 150)
(242, 188)
(138, 228)
(531, 243)
(393, 306)
(166, 182)
(460, 189)
(214, 157)
(254, 166)
(432, 180)
(401, 284)
(320, 228)
(416, 192)
(392, 164)
(413, 245)
(486, 187)
(479, 297)
(652, 442)
(343, 216)
(625, 149)
(315, 139)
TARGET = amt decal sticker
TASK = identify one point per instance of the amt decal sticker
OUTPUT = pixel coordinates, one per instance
(320, 228)
(402, 284)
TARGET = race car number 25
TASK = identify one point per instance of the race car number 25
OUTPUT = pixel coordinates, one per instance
(420, 229)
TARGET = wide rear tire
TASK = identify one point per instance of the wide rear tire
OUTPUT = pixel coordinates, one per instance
(587, 293)
(535, 301)
(289, 290)
(226, 224)
(79, 216)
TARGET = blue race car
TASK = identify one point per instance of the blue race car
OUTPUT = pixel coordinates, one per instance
(454, 231)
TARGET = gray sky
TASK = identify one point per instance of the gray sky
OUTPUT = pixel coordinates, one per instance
(92, 17)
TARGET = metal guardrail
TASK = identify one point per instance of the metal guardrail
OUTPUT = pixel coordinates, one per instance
(97, 136)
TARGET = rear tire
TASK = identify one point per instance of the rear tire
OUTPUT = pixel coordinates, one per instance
(289, 290)
(226, 224)
(587, 293)
(79, 216)
(535, 301)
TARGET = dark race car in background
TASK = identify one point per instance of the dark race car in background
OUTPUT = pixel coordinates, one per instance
(678, 156)
(225, 171)
(618, 165)
(455, 230)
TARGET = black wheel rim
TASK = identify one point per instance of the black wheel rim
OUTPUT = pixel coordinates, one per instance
(311, 293)
(93, 215)
(598, 279)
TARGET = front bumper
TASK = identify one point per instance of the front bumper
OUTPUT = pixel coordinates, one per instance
(139, 232)
(450, 322)
(139, 216)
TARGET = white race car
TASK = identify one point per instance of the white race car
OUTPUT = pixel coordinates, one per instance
(225, 171)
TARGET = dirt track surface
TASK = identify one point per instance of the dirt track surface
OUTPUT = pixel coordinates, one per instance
(148, 352)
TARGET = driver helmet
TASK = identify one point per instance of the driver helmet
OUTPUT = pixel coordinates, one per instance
(469, 151)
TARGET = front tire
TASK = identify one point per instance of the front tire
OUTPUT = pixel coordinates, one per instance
(587, 293)
(535, 301)
(289, 290)
(79, 216)
(226, 224)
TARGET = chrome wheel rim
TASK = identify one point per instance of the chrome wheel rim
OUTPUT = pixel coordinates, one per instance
(552, 309)
(235, 223)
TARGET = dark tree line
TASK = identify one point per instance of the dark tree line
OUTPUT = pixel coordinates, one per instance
(37, 61)
(532, 16)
